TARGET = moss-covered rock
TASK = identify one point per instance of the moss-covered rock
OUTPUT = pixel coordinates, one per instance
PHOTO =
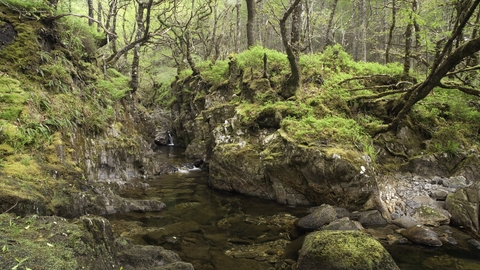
(50, 242)
(335, 250)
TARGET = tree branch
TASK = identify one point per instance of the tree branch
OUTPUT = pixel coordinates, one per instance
(54, 18)
(466, 90)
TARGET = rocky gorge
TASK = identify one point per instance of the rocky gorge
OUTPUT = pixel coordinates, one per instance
(96, 188)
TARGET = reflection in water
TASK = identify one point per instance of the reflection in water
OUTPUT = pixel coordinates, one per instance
(219, 230)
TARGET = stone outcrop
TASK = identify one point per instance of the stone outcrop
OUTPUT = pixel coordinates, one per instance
(337, 250)
(259, 159)
(464, 206)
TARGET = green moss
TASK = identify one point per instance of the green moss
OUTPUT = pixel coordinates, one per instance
(357, 250)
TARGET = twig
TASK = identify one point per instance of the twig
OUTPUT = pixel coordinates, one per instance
(10, 208)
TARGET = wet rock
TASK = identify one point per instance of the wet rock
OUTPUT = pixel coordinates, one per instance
(475, 243)
(166, 233)
(448, 240)
(428, 215)
(464, 206)
(405, 222)
(320, 217)
(149, 257)
(344, 224)
(344, 250)
(421, 235)
(369, 218)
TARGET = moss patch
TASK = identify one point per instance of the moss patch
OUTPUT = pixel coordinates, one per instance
(343, 250)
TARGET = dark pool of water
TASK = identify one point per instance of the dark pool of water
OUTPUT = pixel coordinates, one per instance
(207, 225)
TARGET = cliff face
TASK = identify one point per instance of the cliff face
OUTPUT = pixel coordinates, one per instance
(71, 135)
(251, 154)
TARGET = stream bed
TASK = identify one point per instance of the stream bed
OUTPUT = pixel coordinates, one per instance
(219, 230)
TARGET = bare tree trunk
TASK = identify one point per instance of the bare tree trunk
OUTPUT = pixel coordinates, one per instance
(328, 38)
(250, 23)
(293, 82)
(408, 48)
(90, 11)
(136, 49)
(390, 32)
(143, 29)
(363, 15)
(99, 15)
(239, 29)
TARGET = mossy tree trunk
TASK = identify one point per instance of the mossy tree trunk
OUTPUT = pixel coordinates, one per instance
(250, 23)
(142, 34)
(292, 49)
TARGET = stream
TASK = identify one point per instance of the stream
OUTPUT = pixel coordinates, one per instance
(219, 230)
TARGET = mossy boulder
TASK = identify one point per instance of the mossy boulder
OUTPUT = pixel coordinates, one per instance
(51, 242)
(432, 216)
(339, 250)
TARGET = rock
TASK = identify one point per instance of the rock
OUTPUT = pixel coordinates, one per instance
(166, 233)
(336, 250)
(464, 206)
(369, 218)
(344, 224)
(405, 222)
(320, 217)
(428, 215)
(421, 235)
(475, 243)
(148, 257)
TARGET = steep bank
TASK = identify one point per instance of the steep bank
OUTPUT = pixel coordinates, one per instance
(71, 138)
(315, 147)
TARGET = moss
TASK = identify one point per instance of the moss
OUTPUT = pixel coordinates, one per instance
(21, 165)
(357, 250)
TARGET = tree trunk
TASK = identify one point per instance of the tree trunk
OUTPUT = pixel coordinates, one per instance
(143, 29)
(99, 15)
(363, 15)
(408, 48)
(250, 23)
(136, 49)
(293, 82)
(328, 38)
(239, 29)
(433, 80)
(390, 32)
(90, 11)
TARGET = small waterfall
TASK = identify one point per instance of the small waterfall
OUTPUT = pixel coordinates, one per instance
(170, 139)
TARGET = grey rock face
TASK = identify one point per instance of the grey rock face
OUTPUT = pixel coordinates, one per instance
(464, 207)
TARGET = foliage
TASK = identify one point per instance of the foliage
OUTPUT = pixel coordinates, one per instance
(253, 58)
(28, 4)
(115, 83)
(333, 129)
(214, 73)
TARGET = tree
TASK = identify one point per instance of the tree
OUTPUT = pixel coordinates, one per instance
(291, 48)
(443, 63)
(250, 23)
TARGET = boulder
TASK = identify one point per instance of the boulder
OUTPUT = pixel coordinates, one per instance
(320, 217)
(421, 235)
(344, 224)
(405, 222)
(464, 206)
(428, 215)
(369, 218)
(335, 250)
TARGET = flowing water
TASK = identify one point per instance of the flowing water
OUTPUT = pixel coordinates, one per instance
(219, 230)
